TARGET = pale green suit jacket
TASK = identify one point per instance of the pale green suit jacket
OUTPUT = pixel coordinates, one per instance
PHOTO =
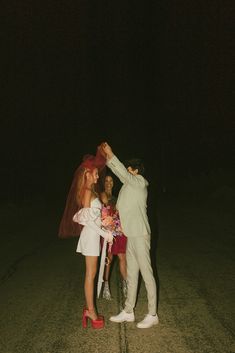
(132, 200)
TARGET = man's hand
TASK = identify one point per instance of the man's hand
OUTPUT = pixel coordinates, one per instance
(101, 151)
(107, 150)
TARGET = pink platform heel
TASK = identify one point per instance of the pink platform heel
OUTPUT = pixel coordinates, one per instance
(96, 324)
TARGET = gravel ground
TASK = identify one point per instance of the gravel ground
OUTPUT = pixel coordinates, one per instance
(41, 294)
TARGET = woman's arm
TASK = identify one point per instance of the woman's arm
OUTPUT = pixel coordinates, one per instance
(104, 198)
(86, 199)
(88, 191)
(86, 217)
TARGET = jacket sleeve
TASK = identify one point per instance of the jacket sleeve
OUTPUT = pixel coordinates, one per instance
(121, 172)
(88, 217)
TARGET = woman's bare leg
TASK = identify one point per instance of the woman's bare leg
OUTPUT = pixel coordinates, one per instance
(91, 268)
(108, 266)
(106, 290)
(122, 265)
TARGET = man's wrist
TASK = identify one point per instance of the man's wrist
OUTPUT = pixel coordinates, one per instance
(110, 155)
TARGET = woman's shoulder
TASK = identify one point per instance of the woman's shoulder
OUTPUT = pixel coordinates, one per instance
(104, 198)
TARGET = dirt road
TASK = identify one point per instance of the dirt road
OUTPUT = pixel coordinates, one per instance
(41, 288)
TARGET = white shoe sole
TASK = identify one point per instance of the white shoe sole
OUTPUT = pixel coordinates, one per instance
(120, 321)
(148, 326)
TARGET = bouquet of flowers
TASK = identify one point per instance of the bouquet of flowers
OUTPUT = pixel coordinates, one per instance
(110, 220)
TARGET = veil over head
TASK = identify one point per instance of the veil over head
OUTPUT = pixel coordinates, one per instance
(68, 228)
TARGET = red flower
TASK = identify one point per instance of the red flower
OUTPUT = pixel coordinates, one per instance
(111, 221)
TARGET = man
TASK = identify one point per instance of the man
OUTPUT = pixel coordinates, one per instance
(132, 208)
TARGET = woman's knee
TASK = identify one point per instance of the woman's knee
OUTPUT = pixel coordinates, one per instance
(90, 275)
(91, 268)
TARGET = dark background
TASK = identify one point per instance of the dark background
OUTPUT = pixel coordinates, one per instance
(154, 79)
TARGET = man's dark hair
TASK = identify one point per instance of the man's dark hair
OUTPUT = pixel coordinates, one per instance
(135, 163)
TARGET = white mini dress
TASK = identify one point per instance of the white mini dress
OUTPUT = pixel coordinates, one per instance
(90, 218)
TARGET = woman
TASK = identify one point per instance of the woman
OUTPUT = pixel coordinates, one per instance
(119, 244)
(82, 216)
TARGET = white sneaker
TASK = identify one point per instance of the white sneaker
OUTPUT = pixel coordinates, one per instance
(148, 321)
(123, 316)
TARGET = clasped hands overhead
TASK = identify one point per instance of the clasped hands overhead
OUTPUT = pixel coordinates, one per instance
(105, 150)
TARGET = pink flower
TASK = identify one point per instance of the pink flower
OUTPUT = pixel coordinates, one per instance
(111, 221)
(107, 221)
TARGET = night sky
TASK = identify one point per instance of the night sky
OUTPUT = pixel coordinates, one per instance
(151, 78)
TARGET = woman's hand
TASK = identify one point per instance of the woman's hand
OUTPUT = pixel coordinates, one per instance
(107, 150)
(101, 151)
(108, 237)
